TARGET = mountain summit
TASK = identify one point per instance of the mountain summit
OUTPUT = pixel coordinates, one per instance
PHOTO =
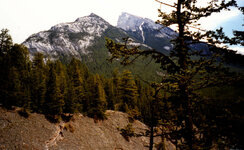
(68, 39)
(147, 31)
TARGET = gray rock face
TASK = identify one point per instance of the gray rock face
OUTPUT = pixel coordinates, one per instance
(68, 39)
(80, 38)
(147, 31)
(134, 23)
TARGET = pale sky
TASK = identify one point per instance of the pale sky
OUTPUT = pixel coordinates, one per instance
(25, 17)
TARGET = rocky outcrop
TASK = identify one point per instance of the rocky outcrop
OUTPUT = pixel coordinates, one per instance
(80, 133)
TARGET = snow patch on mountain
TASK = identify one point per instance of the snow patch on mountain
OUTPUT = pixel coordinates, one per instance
(134, 23)
(142, 33)
(167, 48)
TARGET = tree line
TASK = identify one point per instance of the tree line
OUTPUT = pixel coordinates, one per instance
(53, 88)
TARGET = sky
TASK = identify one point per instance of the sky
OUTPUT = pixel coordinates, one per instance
(25, 17)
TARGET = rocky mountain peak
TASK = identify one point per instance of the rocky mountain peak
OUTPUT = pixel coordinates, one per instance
(147, 31)
(92, 23)
(134, 23)
(68, 39)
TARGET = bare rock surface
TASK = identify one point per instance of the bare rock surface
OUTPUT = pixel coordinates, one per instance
(80, 133)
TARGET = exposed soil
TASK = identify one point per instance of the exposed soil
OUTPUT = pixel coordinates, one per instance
(80, 133)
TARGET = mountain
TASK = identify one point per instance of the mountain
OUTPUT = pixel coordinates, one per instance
(74, 38)
(69, 39)
(85, 39)
(147, 31)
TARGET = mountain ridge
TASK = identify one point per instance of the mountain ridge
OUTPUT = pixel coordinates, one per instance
(147, 32)
(73, 39)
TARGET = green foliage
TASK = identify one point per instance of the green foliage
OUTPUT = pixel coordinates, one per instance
(38, 83)
(76, 88)
(97, 99)
(127, 92)
(187, 72)
(54, 100)
(134, 114)
(5, 41)
(52, 88)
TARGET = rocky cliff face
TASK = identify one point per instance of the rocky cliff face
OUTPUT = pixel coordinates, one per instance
(68, 39)
(81, 133)
(147, 31)
(78, 38)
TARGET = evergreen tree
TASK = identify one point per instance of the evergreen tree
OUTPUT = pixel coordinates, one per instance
(76, 94)
(116, 83)
(110, 93)
(54, 100)
(38, 83)
(61, 78)
(18, 71)
(5, 45)
(127, 92)
(188, 71)
(5, 42)
(97, 100)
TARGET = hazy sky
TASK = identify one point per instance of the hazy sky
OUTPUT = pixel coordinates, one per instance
(25, 17)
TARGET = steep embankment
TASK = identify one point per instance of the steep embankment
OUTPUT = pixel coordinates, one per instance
(83, 133)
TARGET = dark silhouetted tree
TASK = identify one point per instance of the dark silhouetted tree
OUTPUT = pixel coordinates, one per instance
(188, 71)
(38, 83)
(97, 99)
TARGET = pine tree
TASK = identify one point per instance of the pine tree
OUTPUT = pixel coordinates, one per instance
(54, 100)
(76, 94)
(5, 45)
(18, 61)
(5, 42)
(110, 94)
(38, 83)
(61, 79)
(188, 70)
(116, 83)
(127, 92)
(97, 100)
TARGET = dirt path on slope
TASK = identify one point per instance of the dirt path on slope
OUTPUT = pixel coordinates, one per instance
(58, 135)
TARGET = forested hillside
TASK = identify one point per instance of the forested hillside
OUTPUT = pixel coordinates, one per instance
(56, 89)
(188, 89)
(53, 88)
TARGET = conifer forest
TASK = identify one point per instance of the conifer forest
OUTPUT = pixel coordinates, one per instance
(197, 103)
